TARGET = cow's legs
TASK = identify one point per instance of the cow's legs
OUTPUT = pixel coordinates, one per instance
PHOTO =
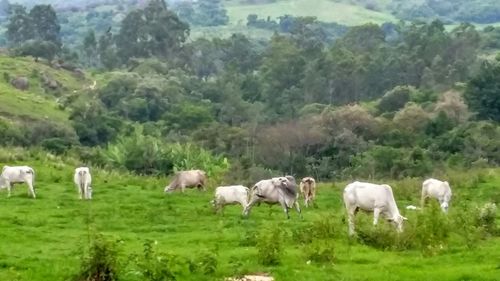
(244, 204)
(80, 192)
(297, 207)
(351, 216)
(376, 214)
(31, 189)
(285, 208)
(249, 206)
(85, 191)
(422, 199)
(183, 188)
(9, 187)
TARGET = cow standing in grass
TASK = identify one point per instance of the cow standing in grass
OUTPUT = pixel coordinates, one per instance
(191, 178)
(279, 190)
(18, 174)
(229, 195)
(308, 190)
(83, 180)
(440, 190)
(369, 197)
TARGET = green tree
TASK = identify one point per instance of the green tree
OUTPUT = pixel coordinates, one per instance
(39, 49)
(20, 27)
(483, 92)
(45, 24)
(154, 31)
(90, 47)
(395, 99)
(93, 125)
(211, 13)
(106, 50)
(281, 73)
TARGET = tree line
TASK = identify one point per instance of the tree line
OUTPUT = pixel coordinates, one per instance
(390, 100)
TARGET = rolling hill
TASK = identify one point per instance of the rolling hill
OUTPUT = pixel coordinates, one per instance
(39, 102)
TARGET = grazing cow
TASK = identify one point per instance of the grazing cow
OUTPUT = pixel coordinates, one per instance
(191, 178)
(279, 190)
(228, 195)
(83, 180)
(440, 190)
(308, 190)
(18, 174)
(369, 197)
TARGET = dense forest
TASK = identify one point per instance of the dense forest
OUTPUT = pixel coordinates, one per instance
(323, 99)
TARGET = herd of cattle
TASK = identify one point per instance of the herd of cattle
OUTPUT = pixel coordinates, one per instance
(369, 197)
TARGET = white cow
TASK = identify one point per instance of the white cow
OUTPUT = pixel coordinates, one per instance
(83, 180)
(369, 197)
(278, 190)
(440, 190)
(232, 194)
(308, 190)
(18, 174)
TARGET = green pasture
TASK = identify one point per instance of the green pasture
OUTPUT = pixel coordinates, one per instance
(324, 10)
(43, 239)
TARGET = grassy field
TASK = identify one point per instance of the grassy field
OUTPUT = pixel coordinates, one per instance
(324, 10)
(43, 239)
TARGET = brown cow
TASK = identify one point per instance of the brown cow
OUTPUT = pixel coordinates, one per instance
(190, 179)
(308, 190)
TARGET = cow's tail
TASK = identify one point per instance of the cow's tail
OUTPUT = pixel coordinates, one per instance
(82, 178)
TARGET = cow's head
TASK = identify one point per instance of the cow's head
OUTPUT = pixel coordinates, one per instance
(280, 181)
(168, 189)
(397, 221)
(444, 206)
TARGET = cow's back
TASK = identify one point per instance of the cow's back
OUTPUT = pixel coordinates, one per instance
(82, 176)
(265, 189)
(436, 188)
(367, 196)
(232, 194)
(18, 173)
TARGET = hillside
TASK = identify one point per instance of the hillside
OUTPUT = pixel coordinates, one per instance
(40, 101)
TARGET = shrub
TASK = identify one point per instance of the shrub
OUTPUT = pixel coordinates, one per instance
(322, 228)
(158, 266)
(321, 251)
(381, 236)
(56, 145)
(412, 118)
(249, 238)
(206, 262)
(428, 232)
(149, 155)
(485, 217)
(464, 225)
(432, 229)
(395, 99)
(155, 266)
(269, 246)
(100, 264)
